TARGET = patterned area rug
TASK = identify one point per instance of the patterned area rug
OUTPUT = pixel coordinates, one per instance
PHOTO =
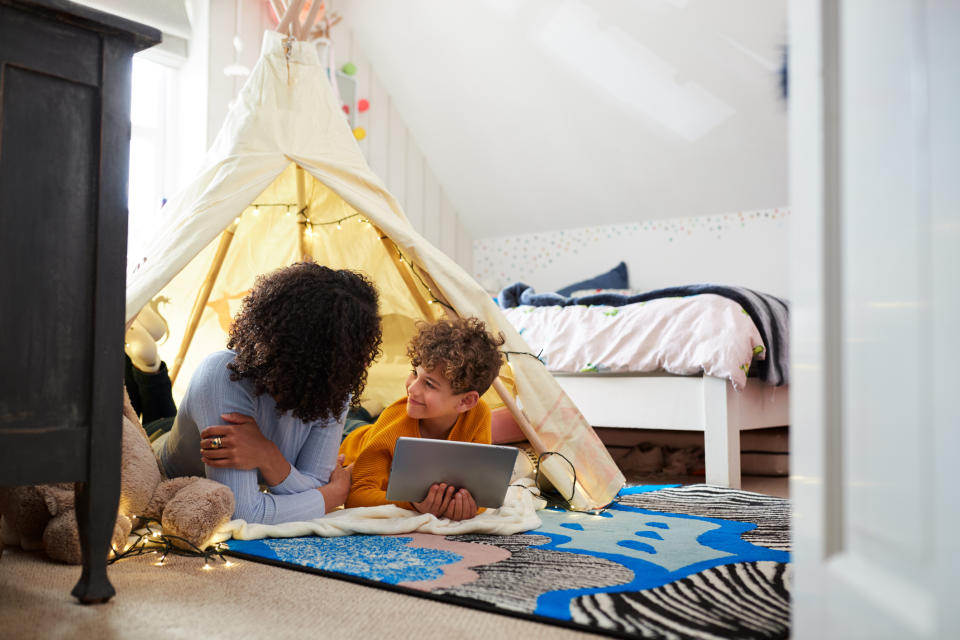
(661, 562)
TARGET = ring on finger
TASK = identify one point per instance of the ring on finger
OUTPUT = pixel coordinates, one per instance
(216, 443)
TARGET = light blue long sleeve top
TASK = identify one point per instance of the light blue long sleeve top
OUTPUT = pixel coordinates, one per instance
(310, 448)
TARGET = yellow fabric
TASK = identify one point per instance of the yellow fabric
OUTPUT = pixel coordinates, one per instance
(286, 169)
(370, 448)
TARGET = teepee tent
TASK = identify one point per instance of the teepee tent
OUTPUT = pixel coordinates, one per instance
(284, 181)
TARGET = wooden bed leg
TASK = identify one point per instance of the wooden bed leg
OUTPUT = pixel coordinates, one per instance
(721, 432)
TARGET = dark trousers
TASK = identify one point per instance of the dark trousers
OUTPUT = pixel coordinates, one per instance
(151, 395)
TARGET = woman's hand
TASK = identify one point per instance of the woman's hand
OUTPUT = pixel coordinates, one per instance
(336, 491)
(438, 499)
(461, 507)
(240, 445)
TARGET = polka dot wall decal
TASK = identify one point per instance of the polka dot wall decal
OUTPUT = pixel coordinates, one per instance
(512, 258)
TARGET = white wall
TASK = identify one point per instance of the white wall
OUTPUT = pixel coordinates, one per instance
(746, 248)
(394, 155)
(555, 114)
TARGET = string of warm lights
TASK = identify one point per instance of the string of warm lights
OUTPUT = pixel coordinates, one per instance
(433, 299)
(146, 540)
(310, 224)
(524, 353)
(552, 494)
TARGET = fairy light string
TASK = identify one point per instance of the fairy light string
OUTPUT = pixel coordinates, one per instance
(538, 357)
(304, 219)
(153, 541)
(433, 298)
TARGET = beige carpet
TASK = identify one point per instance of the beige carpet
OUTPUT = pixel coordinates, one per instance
(249, 600)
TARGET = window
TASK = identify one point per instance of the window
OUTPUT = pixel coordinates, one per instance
(152, 84)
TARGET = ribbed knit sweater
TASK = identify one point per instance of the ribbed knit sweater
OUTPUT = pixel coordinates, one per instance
(370, 448)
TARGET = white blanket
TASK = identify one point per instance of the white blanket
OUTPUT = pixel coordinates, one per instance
(518, 514)
(685, 336)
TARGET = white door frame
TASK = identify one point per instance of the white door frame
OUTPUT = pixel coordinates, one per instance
(844, 588)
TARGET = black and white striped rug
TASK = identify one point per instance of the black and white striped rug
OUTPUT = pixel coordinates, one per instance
(662, 562)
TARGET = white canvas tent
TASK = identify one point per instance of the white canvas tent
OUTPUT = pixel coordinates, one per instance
(285, 180)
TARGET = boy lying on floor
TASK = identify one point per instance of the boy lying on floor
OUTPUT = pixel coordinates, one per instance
(454, 362)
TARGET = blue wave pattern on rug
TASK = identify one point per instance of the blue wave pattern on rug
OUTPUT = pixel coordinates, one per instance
(665, 561)
(380, 558)
(663, 547)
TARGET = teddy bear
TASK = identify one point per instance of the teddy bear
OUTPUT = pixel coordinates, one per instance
(43, 517)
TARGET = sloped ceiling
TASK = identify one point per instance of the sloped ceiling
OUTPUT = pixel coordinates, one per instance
(550, 114)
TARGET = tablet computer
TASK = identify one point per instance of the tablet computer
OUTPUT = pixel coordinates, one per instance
(482, 469)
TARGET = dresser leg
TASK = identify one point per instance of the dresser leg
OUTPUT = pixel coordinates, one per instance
(95, 519)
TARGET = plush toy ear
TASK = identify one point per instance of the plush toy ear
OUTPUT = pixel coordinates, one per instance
(57, 497)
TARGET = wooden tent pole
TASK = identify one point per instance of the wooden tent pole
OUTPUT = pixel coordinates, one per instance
(301, 204)
(202, 297)
(289, 20)
(532, 436)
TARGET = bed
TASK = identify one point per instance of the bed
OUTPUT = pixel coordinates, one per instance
(704, 357)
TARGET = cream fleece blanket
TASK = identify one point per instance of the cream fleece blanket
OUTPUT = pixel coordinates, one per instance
(518, 514)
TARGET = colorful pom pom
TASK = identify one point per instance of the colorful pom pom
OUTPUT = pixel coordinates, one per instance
(359, 133)
(346, 109)
(349, 68)
(362, 105)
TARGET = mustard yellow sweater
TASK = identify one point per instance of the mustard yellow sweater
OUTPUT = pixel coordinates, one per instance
(370, 448)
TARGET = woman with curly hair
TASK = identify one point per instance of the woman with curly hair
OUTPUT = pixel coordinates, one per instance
(298, 352)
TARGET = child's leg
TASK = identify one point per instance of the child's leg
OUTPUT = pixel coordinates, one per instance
(156, 394)
(157, 428)
(356, 417)
(132, 389)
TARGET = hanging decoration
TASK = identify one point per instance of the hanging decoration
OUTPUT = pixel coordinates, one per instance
(308, 20)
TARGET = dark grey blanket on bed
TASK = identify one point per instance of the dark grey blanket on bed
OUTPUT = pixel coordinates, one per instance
(769, 313)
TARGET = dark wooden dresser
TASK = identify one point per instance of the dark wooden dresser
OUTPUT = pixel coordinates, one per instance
(64, 149)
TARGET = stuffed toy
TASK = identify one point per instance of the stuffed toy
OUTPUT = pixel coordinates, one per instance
(43, 516)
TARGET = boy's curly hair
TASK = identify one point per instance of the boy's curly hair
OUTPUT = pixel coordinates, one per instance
(306, 335)
(467, 355)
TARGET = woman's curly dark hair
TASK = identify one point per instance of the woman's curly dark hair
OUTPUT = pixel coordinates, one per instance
(462, 348)
(306, 335)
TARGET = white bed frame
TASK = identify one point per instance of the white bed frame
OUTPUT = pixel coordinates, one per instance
(686, 403)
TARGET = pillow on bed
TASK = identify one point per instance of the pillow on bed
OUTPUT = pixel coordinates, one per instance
(616, 278)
